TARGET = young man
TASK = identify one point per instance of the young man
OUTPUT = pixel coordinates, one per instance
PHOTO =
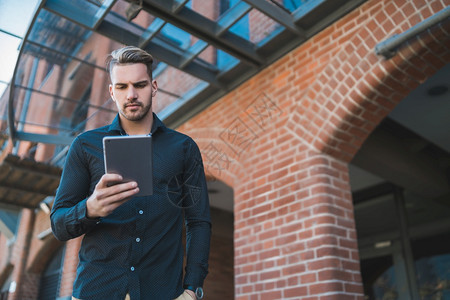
(132, 246)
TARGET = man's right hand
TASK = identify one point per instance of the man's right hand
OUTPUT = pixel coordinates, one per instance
(108, 195)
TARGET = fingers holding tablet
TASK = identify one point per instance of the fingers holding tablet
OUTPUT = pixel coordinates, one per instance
(109, 193)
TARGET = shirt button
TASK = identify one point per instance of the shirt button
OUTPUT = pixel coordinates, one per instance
(138, 240)
(132, 269)
(141, 211)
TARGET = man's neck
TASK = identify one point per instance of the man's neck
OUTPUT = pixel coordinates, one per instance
(141, 127)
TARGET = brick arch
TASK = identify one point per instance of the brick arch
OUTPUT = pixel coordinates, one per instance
(379, 85)
(219, 161)
(41, 257)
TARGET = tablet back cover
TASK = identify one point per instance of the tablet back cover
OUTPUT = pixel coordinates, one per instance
(131, 157)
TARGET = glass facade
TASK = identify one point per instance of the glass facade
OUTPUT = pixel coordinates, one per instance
(60, 86)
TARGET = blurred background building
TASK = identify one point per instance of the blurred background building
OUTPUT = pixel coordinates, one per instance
(324, 127)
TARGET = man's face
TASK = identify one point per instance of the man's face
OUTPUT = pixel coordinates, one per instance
(132, 90)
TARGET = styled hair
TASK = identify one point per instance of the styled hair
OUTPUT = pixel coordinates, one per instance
(129, 55)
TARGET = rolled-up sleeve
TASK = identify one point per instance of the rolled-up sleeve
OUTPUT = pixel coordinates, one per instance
(68, 216)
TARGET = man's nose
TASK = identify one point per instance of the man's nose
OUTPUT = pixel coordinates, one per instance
(132, 94)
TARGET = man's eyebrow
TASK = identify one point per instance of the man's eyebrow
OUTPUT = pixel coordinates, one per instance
(141, 82)
(133, 83)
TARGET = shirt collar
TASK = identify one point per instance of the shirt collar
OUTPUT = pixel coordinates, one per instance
(115, 125)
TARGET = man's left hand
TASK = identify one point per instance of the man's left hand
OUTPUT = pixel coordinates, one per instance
(187, 295)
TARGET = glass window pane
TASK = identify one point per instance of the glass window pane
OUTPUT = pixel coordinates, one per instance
(56, 34)
(209, 9)
(241, 27)
(385, 286)
(379, 278)
(168, 92)
(289, 5)
(433, 277)
(174, 36)
(87, 12)
(57, 99)
(209, 55)
(260, 26)
(432, 264)
(225, 60)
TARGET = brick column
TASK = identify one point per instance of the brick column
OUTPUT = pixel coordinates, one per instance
(302, 243)
(20, 252)
(69, 266)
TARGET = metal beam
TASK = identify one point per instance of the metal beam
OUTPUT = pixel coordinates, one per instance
(102, 12)
(205, 29)
(44, 138)
(231, 16)
(117, 29)
(192, 53)
(70, 10)
(278, 15)
(305, 9)
(151, 32)
(405, 256)
(11, 34)
(64, 54)
(177, 5)
(389, 47)
(175, 106)
(64, 98)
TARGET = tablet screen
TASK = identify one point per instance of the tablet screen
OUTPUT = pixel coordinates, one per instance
(131, 157)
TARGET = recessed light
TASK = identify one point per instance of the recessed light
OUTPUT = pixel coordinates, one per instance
(437, 90)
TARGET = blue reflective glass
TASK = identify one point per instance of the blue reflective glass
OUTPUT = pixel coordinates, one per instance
(241, 28)
(175, 34)
(292, 5)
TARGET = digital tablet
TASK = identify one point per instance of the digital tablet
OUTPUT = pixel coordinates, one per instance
(131, 157)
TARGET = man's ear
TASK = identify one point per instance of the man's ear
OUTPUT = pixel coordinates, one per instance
(154, 88)
(111, 92)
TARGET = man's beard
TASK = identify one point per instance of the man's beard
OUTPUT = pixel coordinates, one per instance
(137, 115)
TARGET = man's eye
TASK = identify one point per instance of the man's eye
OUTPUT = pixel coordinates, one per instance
(140, 86)
(120, 87)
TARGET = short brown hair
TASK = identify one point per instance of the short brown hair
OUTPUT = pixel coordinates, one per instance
(129, 55)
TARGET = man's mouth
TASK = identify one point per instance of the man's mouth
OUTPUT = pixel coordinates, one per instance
(133, 105)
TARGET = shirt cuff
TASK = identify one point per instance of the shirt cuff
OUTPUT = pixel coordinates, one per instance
(82, 215)
(193, 278)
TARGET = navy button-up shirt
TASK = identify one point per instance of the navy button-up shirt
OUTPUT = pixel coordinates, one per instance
(138, 248)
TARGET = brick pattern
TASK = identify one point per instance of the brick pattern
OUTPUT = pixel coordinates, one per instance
(300, 240)
(357, 89)
(294, 225)
(30, 284)
(166, 82)
(20, 252)
(69, 267)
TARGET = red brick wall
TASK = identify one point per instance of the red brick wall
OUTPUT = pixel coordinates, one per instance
(70, 266)
(19, 255)
(284, 138)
